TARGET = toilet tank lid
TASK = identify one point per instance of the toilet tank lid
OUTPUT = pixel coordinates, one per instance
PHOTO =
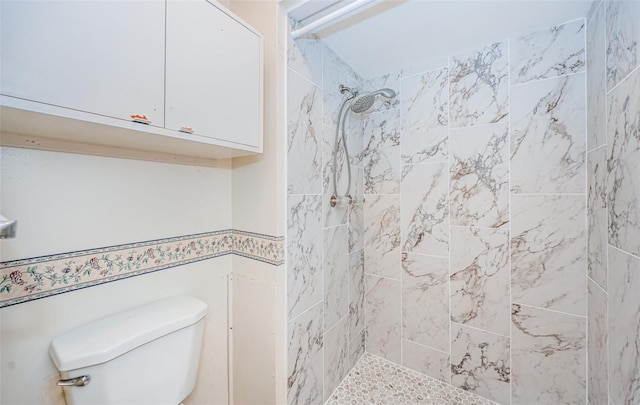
(110, 337)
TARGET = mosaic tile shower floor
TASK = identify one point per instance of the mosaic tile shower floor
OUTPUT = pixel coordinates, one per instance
(374, 380)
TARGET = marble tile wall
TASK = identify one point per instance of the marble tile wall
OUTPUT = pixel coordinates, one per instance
(325, 246)
(497, 248)
(613, 206)
(475, 240)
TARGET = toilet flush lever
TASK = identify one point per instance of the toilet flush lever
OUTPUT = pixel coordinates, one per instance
(75, 382)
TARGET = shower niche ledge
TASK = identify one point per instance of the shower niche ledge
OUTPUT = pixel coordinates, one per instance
(142, 79)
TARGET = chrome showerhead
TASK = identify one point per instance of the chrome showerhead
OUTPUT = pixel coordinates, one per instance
(364, 101)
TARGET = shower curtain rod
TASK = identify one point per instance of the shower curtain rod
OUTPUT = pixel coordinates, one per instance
(329, 18)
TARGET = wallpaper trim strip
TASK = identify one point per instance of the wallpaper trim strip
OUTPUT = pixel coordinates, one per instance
(39, 277)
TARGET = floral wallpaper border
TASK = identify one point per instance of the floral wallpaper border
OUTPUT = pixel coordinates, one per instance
(34, 278)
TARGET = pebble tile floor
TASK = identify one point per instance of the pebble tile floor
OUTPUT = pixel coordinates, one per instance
(374, 380)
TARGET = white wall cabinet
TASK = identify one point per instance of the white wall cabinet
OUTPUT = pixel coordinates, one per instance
(77, 71)
(216, 96)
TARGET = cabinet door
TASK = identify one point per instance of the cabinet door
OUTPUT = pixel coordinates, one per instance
(103, 57)
(213, 73)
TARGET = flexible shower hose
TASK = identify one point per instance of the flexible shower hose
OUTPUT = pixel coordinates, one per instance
(342, 119)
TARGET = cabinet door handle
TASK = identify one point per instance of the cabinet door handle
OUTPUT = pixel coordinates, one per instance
(141, 119)
(186, 129)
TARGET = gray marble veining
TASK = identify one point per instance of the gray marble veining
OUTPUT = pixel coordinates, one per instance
(381, 156)
(382, 306)
(624, 327)
(479, 90)
(548, 252)
(480, 363)
(548, 357)
(479, 187)
(304, 142)
(356, 293)
(425, 117)
(357, 348)
(336, 357)
(596, 79)
(382, 235)
(336, 275)
(425, 209)
(544, 54)
(622, 38)
(548, 134)
(356, 211)
(597, 344)
(426, 360)
(623, 165)
(425, 304)
(480, 277)
(305, 358)
(597, 216)
(304, 253)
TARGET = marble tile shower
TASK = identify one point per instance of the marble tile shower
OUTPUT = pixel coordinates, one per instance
(325, 245)
(491, 209)
(497, 246)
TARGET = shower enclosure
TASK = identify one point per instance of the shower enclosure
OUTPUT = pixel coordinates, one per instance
(493, 244)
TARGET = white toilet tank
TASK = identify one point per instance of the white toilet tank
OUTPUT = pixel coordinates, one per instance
(146, 355)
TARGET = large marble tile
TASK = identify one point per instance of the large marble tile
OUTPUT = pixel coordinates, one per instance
(390, 81)
(305, 355)
(479, 88)
(480, 278)
(354, 134)
(304, 141)
(336, 275)
(557, 51)
(597, 216)
(548, 136)
(424, 67)
(548, 357)
(336, 357)
(304, 55)
(381, 156)
(356, 348)
(382, 315)
(336, 72)
(623, 163)
(304, 253)
(425, 117)
(356, 211)
(623, 39)
(425, 209)
(337, 215)
(426, 360)
(596, 80)
(356, 293)
(624, 327)
(597, 347)
(479, 187)
(425, 303)
(382, 235)
(548, 252)
(480, 363)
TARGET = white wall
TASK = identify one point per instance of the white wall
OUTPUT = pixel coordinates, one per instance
(258, 206)
(65, 202)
